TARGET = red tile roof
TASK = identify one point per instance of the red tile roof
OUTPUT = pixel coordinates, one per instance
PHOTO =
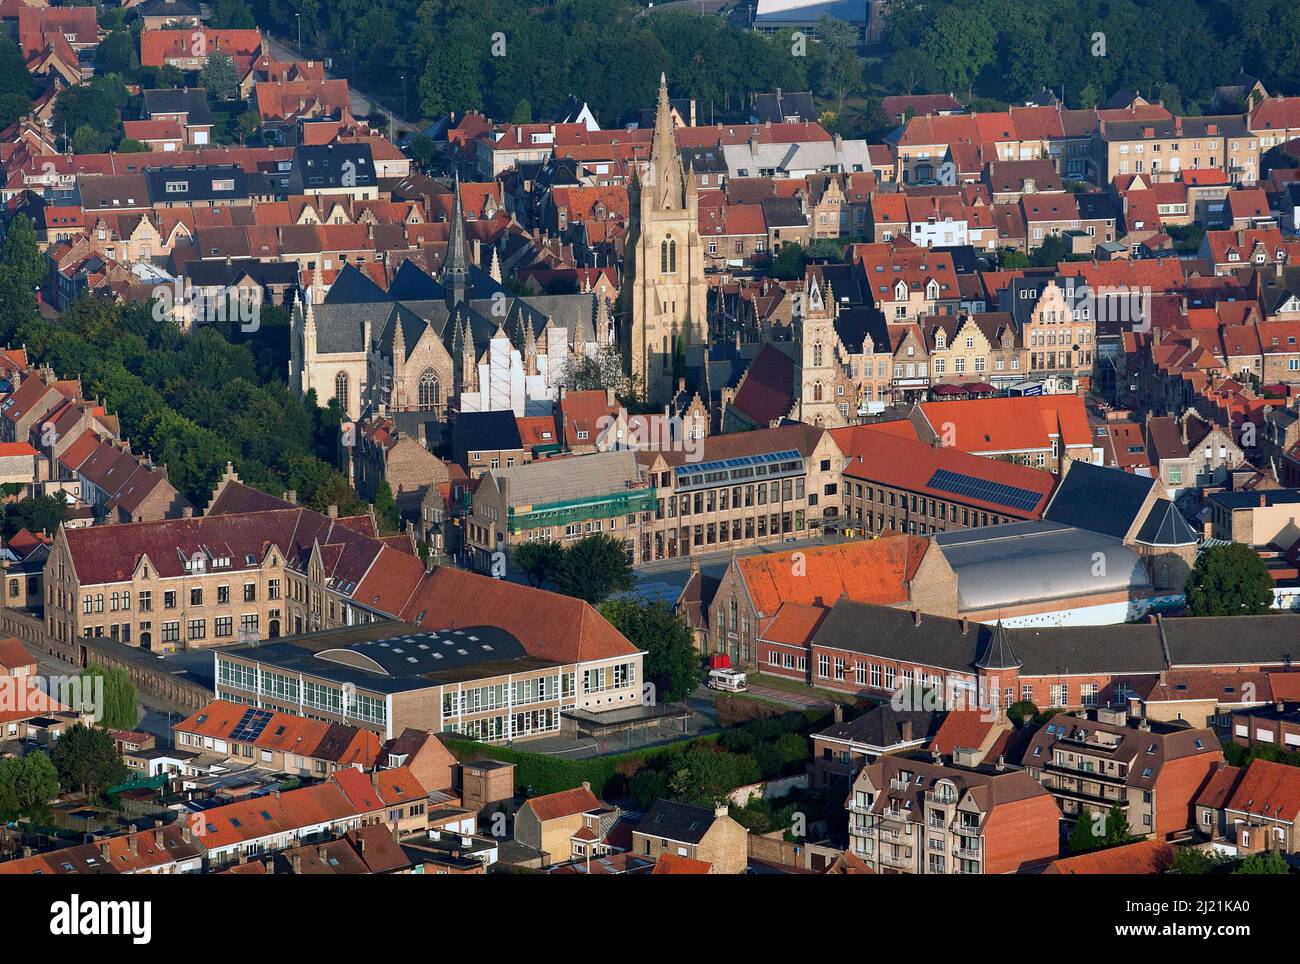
(673, 864)
(565, 803)
(573, 631)
(1143, 857)
(990, 425)
(890, 459)
(1268, 789)
(869, 571)
(963, 728)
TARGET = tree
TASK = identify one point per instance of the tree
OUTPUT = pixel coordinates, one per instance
(120, 709)
(1229, 580)
(1017, 713)
(538, 561)
(789, 261)
(422, 151)
(42, 513)
(249, 124)
(1082, 838)
(594, 568)
(87, 760)
(387, 516)
(1267, 863)
(116, 54)
(219, 77)
(233, 15)
(1191, 860)
(27, 785)
(671, 662)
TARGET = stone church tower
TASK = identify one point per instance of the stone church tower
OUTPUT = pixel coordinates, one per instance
(665, 264)
(818, 370)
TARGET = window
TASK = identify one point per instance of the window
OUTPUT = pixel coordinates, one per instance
(430, 392)
(196, 597)
(341, 390)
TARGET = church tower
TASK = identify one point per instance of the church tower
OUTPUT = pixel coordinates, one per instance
(455, 265)
(665, 265)
(818, 369)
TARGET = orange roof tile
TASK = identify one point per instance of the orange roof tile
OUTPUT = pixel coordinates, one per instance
(1143, 857)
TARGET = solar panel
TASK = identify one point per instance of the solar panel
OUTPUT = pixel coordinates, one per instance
(251, 725)
(985, 490)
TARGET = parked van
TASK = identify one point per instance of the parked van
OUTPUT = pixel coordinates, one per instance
(731, 680)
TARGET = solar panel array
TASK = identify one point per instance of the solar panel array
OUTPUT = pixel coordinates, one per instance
(997, 493)
(251, 725)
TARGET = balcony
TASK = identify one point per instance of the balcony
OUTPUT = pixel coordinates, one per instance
(967, 853)
(903, 861)
(1076, 770)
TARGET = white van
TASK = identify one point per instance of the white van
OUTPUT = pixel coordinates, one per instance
(731, 680)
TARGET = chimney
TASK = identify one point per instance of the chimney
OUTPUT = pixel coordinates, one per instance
(586, 785)
(157, 840)
(721, 810)
(916, 617)
(1263, 500)
(291, 496)
(320, 853)
(297, 863)
(1001, 764)
(332, 511)
(133, 844)
(187, 512)
(104, 851)
(374, 778)
(905, 731)
(837, 712)
(965, 626)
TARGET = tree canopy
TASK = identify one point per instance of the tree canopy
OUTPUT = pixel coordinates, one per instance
(1229, 580)
(671, 664)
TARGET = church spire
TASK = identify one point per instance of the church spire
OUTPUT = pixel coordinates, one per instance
(665, 164)
(455, 266)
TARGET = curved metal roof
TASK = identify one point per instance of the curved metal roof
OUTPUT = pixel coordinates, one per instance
(1028, 562)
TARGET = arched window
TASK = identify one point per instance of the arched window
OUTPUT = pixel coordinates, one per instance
(672, 255)
(817, 355)
(341, 390)
(817, 392)
(663, 257)
(430, 390)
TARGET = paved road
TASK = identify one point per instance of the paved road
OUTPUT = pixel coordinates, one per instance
(155, 717)
(809, 702)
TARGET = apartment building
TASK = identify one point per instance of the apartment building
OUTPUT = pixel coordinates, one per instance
(557, 500)
(1164, 149)
(893, 483)
(1057, 321)
(982, 348)
(1096, 760)
(906, 282)
(741, 489)
(918, 815)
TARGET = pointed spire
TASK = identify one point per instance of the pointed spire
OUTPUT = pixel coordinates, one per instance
(665, 165)
(455, 267)
(494, 270)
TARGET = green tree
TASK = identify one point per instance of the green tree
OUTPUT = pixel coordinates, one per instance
(232, 15)
(594, 568)
(42, 513)
(1192, 860)
(116, 54)
(1023, 710)
(1267, 863)
(121, 703)
(249, 124)
(538, 561)
(422, 151)
(219, 77)
(1082, 837)
(387, 515)
(671, 662)
(27, 785)
(789, 261)
(1229, 580)
(87, 760)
